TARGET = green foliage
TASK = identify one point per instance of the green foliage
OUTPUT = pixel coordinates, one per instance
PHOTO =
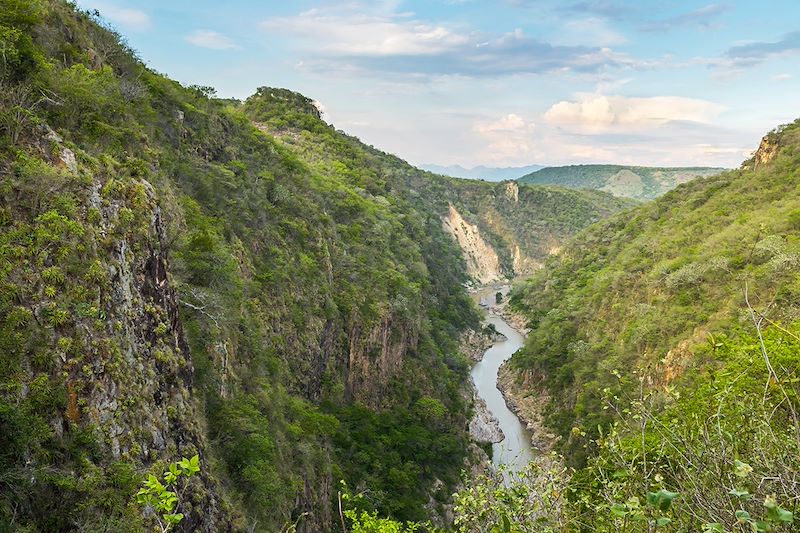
(395, 455)
(163, 500)
(509, 502)
(639, 292)
(641, 183)
(728, 449)
(359, 520)
(18, 54)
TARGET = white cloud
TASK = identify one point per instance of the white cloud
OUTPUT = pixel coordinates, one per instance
(592, 31)
(358, 37)
(602, 113)
(127, 18)
(782, 77)
(510, 122)
(505, 138)
(368, 35)
(210, 39)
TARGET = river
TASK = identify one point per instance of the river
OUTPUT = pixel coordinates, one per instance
(515, 451)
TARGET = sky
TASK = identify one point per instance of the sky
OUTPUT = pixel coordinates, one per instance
(502, 83)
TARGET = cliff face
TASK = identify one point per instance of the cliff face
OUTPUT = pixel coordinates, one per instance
(87, 274)
(510, 229)
(767, 150)
(482, 261)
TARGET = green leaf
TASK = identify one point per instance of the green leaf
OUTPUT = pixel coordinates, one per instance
(741, 469)
(742, 516)
(742, 494)
(154, 485)
(173, 518)
(662, 521)
(619, 510)
(190, 466)
(713, 527)
(170, 478)
(785, 516)
(661, 499)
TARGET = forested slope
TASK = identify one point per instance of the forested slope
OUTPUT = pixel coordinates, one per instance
(641, 183)
(667, 339)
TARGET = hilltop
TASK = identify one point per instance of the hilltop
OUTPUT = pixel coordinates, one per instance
(483, 172)
(641, 183)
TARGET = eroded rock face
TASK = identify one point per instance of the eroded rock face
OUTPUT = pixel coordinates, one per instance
(376, 354)
(767, 150)
(484, 427)
(512, 191)
(483, 264)
(144, 407)
(528, 407)
(133, 383)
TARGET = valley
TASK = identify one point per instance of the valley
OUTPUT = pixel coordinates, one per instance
(515, 450)
(223, 314)
(641, 183)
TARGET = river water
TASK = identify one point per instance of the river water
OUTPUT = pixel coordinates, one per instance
(515, 451)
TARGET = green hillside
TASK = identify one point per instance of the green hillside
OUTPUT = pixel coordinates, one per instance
(659, 373)
(183, 275)
(641, 183)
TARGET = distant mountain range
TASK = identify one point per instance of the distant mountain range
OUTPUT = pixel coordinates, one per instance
(482, 172)
(642, 183)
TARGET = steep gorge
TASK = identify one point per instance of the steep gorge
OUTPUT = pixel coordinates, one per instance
(183, 274)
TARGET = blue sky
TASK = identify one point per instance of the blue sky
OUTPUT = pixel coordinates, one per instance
(509, 82)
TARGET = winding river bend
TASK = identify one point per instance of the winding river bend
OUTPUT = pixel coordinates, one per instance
(515, 451)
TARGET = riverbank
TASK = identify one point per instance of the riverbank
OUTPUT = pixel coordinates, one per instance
(528, 403)
(525, 399)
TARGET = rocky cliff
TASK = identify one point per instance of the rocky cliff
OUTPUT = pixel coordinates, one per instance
(482, 261)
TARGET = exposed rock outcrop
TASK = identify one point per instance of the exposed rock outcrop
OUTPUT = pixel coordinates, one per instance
(473, 344)
(512, 191)
(527, 406)
(483, 264)
(375, 355)
(767, 150)
(484, 427)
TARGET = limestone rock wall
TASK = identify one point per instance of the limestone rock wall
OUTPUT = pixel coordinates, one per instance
(483, 264)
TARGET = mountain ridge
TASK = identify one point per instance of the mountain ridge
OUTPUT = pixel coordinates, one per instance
(656, 313)
(482, 171)
(637, 182)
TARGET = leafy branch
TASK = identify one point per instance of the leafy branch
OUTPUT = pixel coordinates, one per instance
(162, 500)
